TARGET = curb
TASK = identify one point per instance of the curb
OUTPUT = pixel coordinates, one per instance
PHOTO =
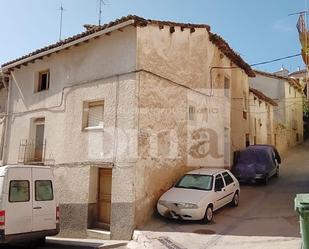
(94, 243)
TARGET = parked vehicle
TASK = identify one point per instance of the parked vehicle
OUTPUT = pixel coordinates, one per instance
(277, 155)
(28, 208)
(198, 194)
(257, 163)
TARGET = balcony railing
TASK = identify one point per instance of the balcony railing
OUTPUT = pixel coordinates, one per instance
(31, 152)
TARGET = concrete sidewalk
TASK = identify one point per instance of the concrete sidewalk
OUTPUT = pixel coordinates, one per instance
(94, 243)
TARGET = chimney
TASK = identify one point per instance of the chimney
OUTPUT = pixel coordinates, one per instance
(283, 72)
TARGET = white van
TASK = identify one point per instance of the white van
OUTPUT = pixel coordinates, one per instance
(28, 208)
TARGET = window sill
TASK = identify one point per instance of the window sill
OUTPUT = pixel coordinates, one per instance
(94, 128)
(41, 91)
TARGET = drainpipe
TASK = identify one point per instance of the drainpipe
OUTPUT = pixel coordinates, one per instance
(6, 124)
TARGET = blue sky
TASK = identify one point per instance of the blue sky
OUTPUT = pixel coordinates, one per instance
(258, 30)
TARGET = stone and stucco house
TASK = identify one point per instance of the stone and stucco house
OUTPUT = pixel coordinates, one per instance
(288, 115)
(261, 118)
(120, 112)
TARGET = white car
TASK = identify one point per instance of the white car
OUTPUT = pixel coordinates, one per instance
(198, 194)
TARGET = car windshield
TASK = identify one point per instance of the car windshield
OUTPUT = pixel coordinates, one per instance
(249, 156)
(192, 181)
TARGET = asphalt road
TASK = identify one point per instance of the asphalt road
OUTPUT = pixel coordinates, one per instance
(265, 218)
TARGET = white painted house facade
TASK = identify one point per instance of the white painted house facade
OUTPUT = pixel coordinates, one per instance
(113, 111)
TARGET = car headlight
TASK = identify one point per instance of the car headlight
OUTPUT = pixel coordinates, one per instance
(187, 205)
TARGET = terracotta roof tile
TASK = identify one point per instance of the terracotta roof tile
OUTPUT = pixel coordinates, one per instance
(262, 96)
(230, 53)
(139, 21)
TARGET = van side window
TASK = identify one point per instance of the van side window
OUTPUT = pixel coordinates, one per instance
(44, 190)
(19, 191)
(227, 178)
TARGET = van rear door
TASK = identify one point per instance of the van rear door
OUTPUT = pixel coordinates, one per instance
(44, 204)
(18, 207)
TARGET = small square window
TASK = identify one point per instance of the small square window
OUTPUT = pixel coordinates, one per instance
(191, 112)
(260, 103)
(43, 81)
(226, 87)
(245, 101)
(244, 115)
(93, 114)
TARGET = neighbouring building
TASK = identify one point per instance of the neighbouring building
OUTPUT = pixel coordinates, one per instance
(302, 75)
(120, 112)
(288, 115)
(261, 118)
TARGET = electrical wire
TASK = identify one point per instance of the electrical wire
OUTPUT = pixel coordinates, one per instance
(87, 82)
(274, 60)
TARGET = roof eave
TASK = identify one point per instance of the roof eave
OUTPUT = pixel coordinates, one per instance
(7, 68)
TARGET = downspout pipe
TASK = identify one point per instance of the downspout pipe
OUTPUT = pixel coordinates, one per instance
(6, 124)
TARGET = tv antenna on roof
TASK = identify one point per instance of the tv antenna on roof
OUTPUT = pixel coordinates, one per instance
(101, 3)
(299, 13)
(61, 17)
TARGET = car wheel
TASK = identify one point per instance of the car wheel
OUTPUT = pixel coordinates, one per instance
(38, 242)
(209, 214)
(277, 172)
(235, 200)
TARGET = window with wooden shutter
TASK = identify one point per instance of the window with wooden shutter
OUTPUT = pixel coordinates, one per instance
(93, 114)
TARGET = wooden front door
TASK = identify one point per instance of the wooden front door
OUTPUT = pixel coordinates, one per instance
(105, 191)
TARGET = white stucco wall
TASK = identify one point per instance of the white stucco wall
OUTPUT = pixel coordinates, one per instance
(289, 108)
(82, 74)
(261, 121)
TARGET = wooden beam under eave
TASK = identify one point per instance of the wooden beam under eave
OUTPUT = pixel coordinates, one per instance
(108, 34)
(172, 30)
(121, 30)
(161, 26)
